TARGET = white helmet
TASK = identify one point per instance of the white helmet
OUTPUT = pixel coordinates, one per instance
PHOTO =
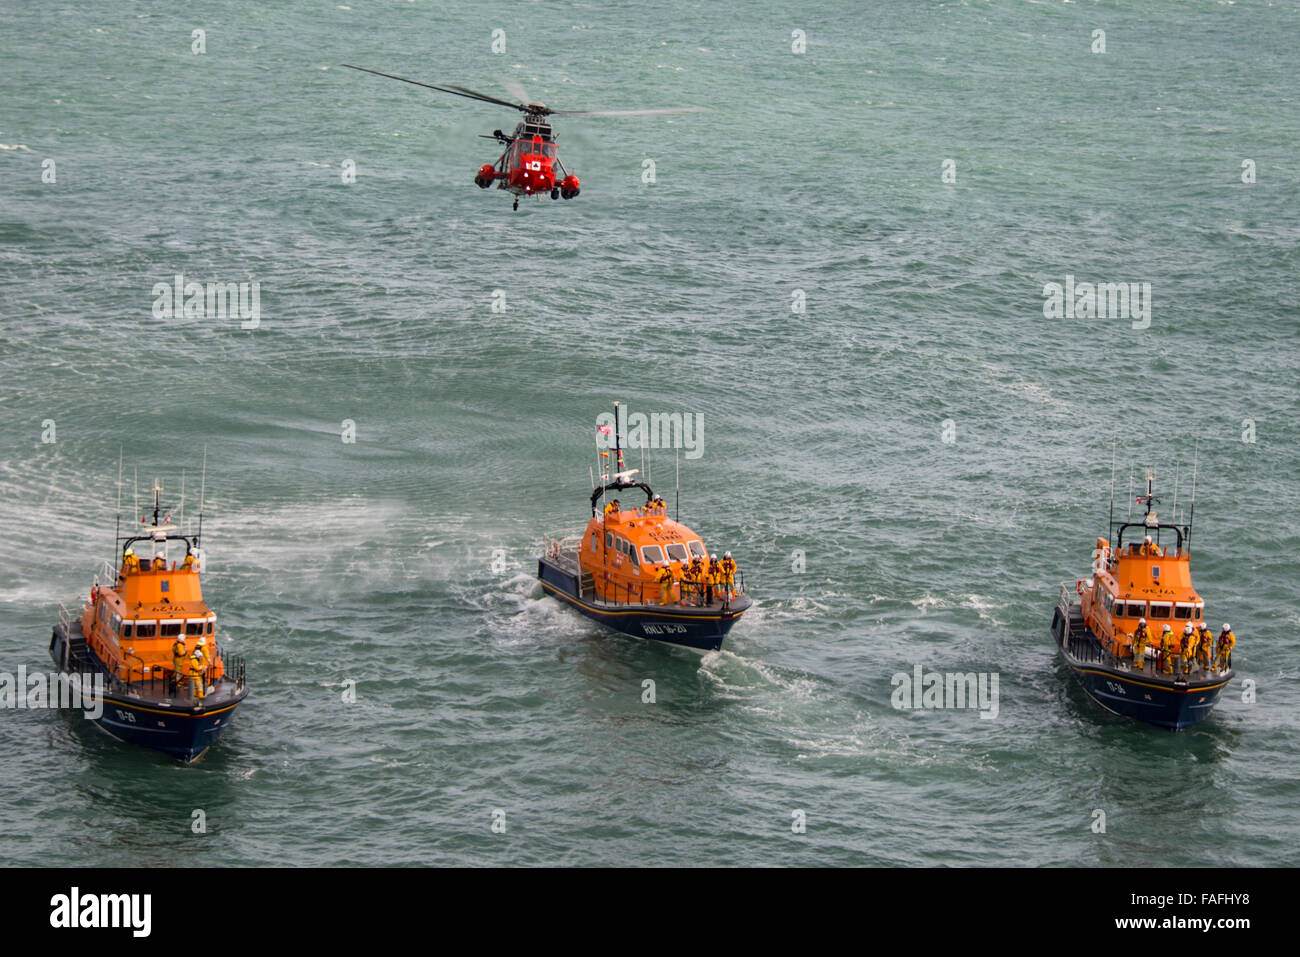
(1148, 539)
(1227, 627)
(713, 557)
(1167, 628)
(203, 641)
(726, 554)
(1187, 628)
(1142, 621)
(129, 551)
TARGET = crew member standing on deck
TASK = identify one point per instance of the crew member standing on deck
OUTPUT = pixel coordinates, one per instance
(697, 580)
(130, 562)
(1189, 647)
(665, 579)
(1205, 648)
(1149, 547)
(1141, 639)
(1167, 650)
(729, 574)
(1226, 642)
(690, 582)
(196, 675)
(180, 664)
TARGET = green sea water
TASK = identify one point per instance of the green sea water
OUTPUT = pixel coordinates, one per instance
(905, 469)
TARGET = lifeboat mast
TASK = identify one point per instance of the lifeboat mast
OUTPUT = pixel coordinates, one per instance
(1149, 518)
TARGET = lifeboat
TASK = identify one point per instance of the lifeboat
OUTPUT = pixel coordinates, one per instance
(1134, 631)
(644, 574)
(148, 639)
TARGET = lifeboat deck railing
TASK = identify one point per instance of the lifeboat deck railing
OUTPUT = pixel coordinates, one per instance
(1084, 647)
(564, 551)
(692, 594)
(106, 576)
(159, 682)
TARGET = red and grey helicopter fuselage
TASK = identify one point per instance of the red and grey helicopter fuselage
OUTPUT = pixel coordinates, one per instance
(530, 164)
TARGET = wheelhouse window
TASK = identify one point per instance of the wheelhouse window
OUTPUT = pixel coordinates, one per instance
(677, 552)
(697, 548)
(652, 554)
(1159, 609)
(170, 629)
(1108, 600)
(609, 539)
(593, 542)
(1184, 612)
(145, 629)
(211, 622)
(126, 629)
(1134, 609)
(631, 553)
(194, 627)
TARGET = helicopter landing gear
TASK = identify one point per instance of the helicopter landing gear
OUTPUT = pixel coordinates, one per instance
(516, 202)
(555, 192)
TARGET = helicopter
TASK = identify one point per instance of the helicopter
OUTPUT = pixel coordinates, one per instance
(528, 167)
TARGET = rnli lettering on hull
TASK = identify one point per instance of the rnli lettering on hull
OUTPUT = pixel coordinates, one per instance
(662, 629)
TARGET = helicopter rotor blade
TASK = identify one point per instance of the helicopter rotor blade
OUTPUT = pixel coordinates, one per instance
(474, 94)
(457, 90)
(681, 109)
(516, 90)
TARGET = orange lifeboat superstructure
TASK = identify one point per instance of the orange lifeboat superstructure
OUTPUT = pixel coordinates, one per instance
(147, 633)
(1125, 630)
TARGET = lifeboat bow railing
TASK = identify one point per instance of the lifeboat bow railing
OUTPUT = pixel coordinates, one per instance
(693, 593)
(158, 681)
